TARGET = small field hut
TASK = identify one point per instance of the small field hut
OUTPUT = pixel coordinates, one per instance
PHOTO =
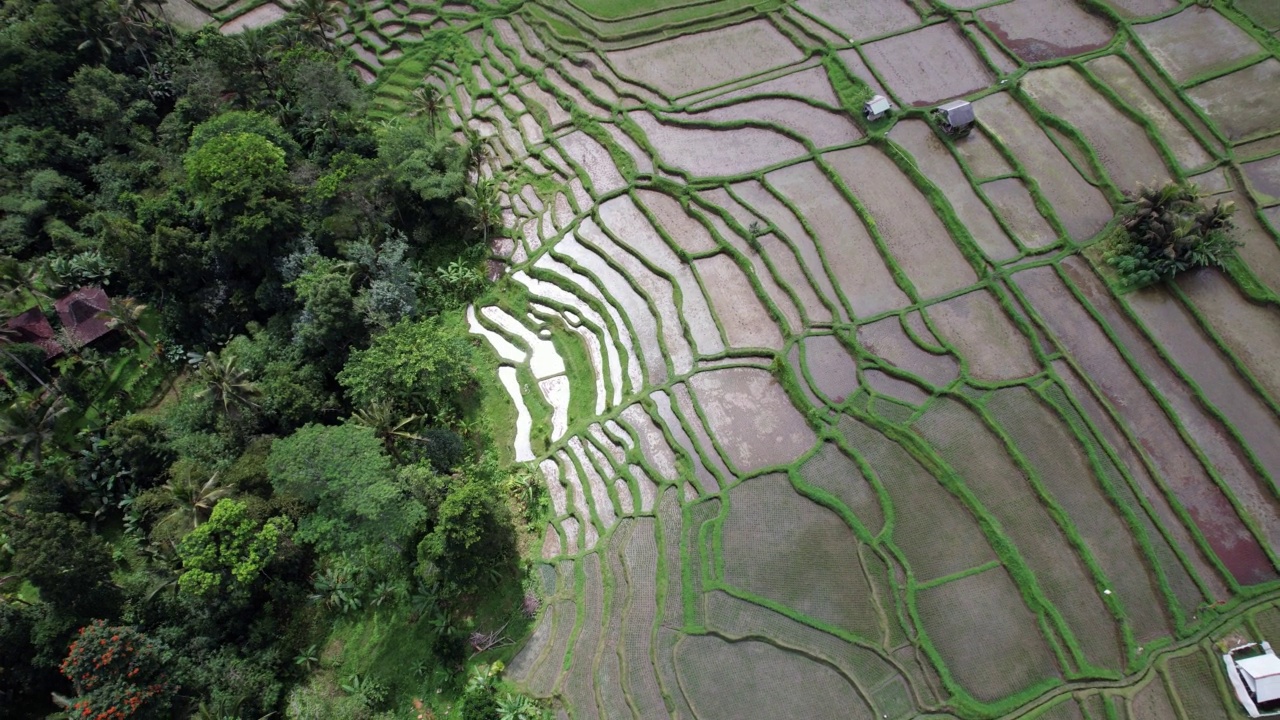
(1262, 674)
(876, 108)
(956, 118)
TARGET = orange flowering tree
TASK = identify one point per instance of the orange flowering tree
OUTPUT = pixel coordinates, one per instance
(118, 673)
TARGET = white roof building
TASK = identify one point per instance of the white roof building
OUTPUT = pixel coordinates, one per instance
(1262, 674)
(876, 107)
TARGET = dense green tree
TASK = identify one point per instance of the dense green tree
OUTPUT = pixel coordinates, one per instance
(360, 506)
(471, 533)
(420, 365)
(230, 550)
(71, 567)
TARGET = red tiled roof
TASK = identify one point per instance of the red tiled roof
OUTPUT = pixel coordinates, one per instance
(33, 327)
(80, 313)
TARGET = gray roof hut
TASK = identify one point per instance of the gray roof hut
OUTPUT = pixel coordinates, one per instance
(956, 117)
(877, 107)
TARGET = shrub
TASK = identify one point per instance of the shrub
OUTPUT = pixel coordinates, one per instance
(118, 673)
(1168, 230)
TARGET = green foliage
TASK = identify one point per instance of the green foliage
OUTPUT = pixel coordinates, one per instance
(70, 566)
(229, 550)
(341, 471)
(419, 365)
(236, 122)
(1168, 230)
(471, 535)
(234, 167)
(118, 673)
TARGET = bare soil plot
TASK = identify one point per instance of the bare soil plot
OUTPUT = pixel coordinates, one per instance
(784, 221)
(739, 619)
(752, 417)
(691, 235)
(1038, 30)
(707, 482)
(1234, 103)
(996, 57)
(1082, 208)
(595, 159)
(1264, 176)
(258, 17)
(982, 157)
(1122, 146)
(1177, 466)
(1249, 331)
(746, 322)
(862, 20)
(887, 339)
(728, 681)
(685, 406)
(623, 300)
(887, 386)
(1170, 526)
(937, 163)
(991, 347)
(832, 370)
(967, 444)
(929, 65)
(608, 666)
(542, 681)
(784, 547)
(918, 240)
(791, 274)
(1142, 8)
(756, 268)
(1194, 678)
(640, 558)
(1018, 209)
(635, 232)
(1055, 454)
(1181, 337)
(842, 238)
(836, 473)
(935, 531)
(185, 14)
(659, 456)
(1152, 702)
(1196, 42)
(811, 83)
(682, 65)
(1263, 12)
(703, 152)
(986, 635)
(1122, 79)
(823, 128)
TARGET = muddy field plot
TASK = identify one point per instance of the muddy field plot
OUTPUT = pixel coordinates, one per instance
(1196, 42)
(690, 63)
(1038, 30)
(871, 437)
(929, 65)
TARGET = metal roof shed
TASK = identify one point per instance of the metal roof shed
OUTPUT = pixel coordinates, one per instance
(877, 107)
(957, 117)
(1262, 675)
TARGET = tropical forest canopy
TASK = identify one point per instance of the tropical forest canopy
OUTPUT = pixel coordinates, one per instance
(276, 442)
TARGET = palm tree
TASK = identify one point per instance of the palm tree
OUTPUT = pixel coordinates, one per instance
(482, 200)
(193, 500)
(318, 18)
(25, 426)
(126, 314)
(227, 384)
(429, 101)
(17, 278)
(10, 336)
(518, 707)
(387, 424)
(477, 151)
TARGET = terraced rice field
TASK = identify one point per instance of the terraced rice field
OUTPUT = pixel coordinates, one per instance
(860, 426)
